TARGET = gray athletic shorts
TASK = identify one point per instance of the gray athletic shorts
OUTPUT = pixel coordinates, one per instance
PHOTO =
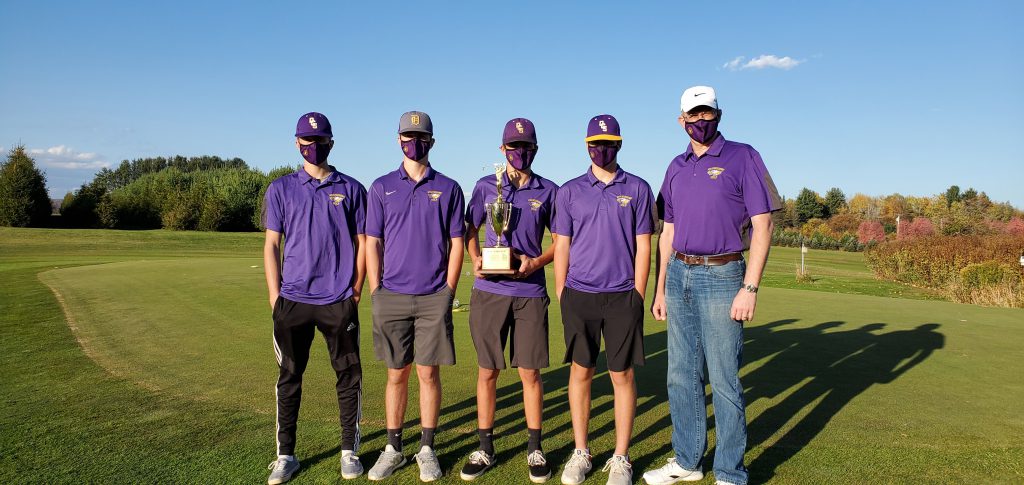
(413, 328)
(492, 318)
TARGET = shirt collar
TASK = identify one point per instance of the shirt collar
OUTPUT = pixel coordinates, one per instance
(332, 177)
(428, 175)
(714, 150)
(620, 176)
(533, 183)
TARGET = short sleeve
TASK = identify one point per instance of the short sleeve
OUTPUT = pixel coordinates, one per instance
(475, 210)
(374, 224)
(759, 192)
(456, 219)
(359, 209)
(644, 210)
(562, 220)
(273, 208)
(549, 215)
(664, 202)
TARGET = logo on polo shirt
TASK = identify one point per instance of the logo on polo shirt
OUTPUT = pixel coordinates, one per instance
(519, 127)
(714, 172)
(535, 205)
(603, 126)
(337, 198)
(623, 200)
(415, 119)
(312, 122)
(434, 195)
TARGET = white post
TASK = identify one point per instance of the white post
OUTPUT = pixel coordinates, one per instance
(803, 251)
(897, 226)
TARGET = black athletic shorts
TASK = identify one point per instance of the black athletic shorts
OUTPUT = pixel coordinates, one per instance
(619, 316)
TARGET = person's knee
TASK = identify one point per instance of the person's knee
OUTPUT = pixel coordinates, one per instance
(488, 375)
(530, 377)
(428, 374)
(398, 376)
(623, 378)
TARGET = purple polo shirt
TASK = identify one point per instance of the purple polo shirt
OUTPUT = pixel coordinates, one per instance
(603, 222)
(532, 207)
(710, 199)
(416, 221)
(320, 221)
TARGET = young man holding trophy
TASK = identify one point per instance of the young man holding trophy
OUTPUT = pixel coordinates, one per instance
(414, 229)
(604, 220)
(509, 295)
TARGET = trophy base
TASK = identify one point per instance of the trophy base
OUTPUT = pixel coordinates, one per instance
(496, 261)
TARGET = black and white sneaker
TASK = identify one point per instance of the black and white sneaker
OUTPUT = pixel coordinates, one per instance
(540, 471)
(478, 463)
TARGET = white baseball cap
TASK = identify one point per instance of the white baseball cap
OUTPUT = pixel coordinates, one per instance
(698, 96)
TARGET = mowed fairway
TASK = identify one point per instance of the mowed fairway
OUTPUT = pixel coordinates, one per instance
(162, 370)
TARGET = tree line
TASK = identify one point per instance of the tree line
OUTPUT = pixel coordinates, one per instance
(834, 222)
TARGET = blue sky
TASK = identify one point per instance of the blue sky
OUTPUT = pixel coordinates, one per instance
(871, 96)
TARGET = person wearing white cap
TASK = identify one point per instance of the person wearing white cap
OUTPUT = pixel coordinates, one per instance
(719, 195)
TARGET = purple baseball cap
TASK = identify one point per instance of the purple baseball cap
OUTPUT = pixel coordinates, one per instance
(603, 127)
(313, 124)
(519, 129)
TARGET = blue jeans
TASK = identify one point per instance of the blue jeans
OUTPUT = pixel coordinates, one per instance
(698, 300)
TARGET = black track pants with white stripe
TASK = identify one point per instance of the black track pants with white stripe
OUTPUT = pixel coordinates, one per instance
(295, 324)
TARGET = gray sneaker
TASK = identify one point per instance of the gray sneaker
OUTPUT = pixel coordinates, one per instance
(576, 469)
(351, 467)
(620, 471)
(430, 469)
(389, 461)
(282, 469)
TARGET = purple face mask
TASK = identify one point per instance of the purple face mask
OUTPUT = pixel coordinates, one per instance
(602, 155)
(315, 153)
(520, 157)
(415, 149)
(702, 131)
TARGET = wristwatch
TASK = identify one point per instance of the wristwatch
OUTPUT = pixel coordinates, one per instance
(750, 288)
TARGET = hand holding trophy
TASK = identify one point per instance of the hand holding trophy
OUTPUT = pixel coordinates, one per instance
(497, 260)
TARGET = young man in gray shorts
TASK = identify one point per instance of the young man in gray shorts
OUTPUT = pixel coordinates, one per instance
(414, 235)
(515, 305)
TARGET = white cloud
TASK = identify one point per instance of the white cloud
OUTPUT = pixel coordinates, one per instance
(61, 156)
(760, 62)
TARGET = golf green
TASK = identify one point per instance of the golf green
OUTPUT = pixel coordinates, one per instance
(153, 362)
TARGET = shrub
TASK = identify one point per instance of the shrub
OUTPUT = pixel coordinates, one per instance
(870, 231)
(936, 261)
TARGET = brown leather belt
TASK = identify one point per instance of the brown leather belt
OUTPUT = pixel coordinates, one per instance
(716, 260)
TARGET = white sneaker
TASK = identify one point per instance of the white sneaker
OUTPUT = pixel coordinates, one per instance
(430, 469)
(576, 469)
(351, 467)
(282, 469)
(620, 471)
(672, 473)
(389, 461)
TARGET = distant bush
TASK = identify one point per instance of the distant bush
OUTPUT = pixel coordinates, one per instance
(223, 199)
(935, 261)
(992, 283)
(870, 232)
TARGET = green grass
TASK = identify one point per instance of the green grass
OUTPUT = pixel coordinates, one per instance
(168, 375)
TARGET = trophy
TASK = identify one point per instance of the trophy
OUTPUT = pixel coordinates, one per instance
(497, 260)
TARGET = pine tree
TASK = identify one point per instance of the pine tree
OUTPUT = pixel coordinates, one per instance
(23, 197)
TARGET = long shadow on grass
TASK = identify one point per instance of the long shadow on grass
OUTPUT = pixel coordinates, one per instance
(840, 365)
(837, 367)
(651, 393)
